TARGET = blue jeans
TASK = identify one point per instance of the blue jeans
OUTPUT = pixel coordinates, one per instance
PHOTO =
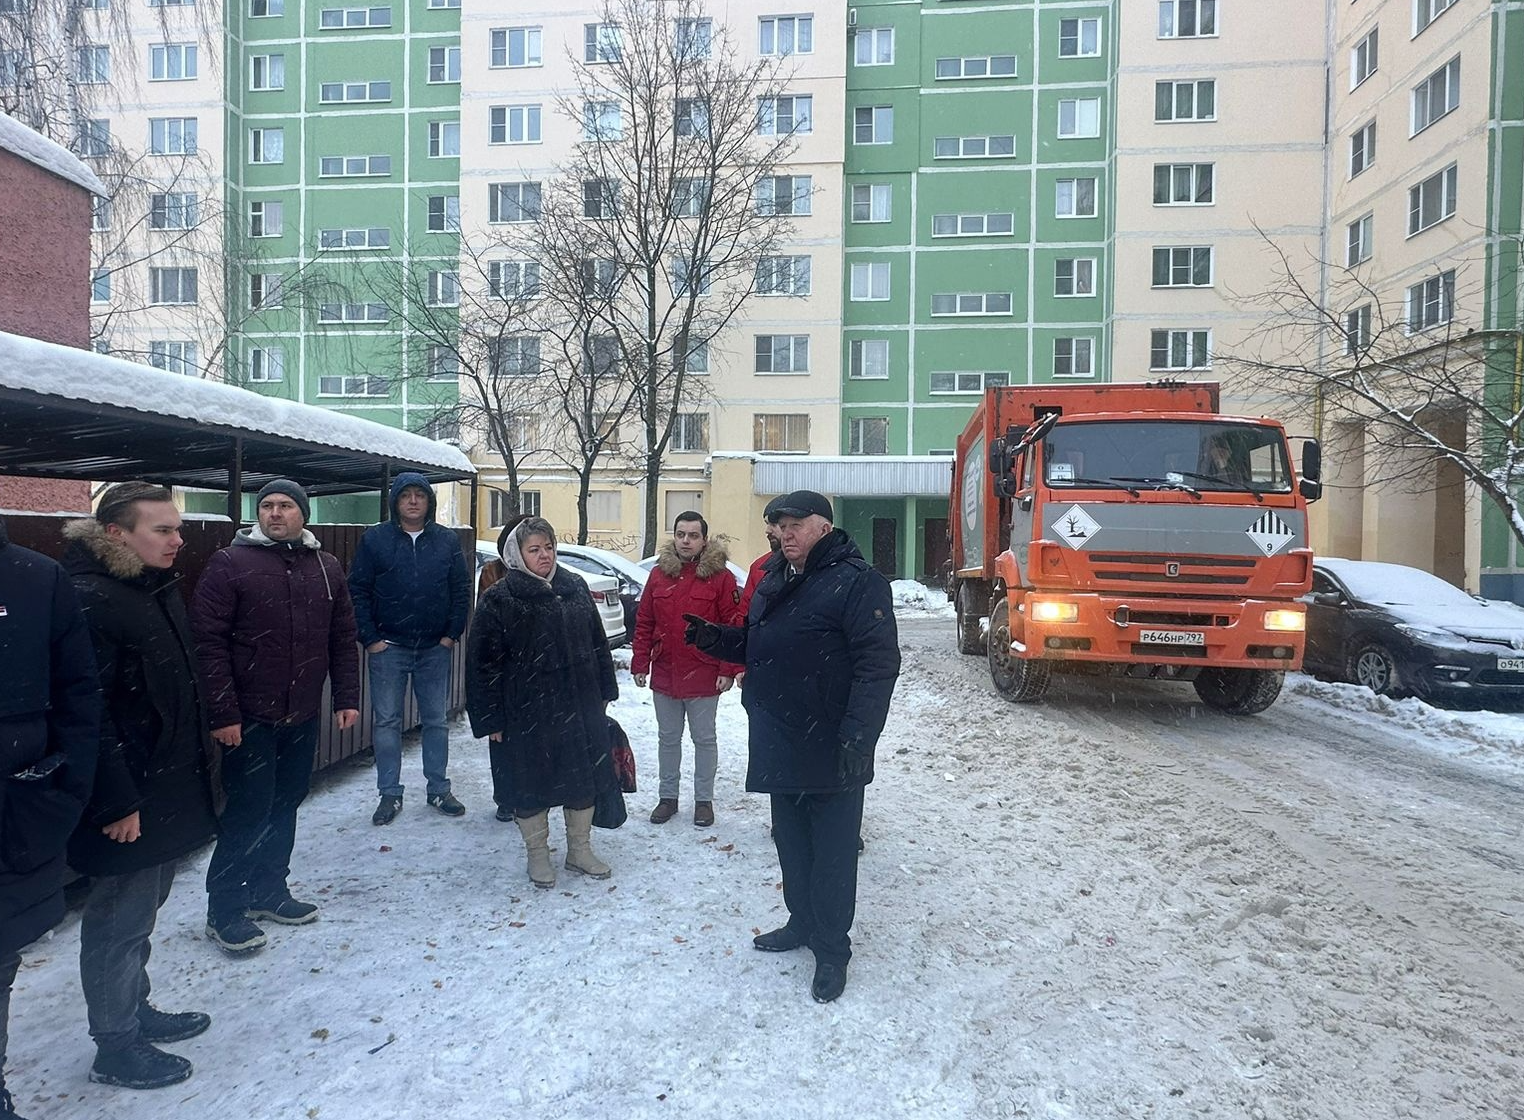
(389, 670)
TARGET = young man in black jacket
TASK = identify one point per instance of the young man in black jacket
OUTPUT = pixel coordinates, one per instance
(822, 654)
(156, 775)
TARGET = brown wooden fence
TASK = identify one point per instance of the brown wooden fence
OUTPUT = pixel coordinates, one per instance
(44, 533)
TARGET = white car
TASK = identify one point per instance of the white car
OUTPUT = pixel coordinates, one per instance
(735, 569)
(603, 589)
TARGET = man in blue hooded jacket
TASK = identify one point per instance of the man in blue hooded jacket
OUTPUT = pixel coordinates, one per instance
(411, 594)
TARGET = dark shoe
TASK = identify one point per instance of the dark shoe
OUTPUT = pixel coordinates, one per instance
(285, 911)
(8, 1107)
(168, 1026)
(504, 815)
(830, 981)
(446, 804)
(780, 940)
(387, 811)
(703, 814)
(236, 936)
(665, 810)
(139, 1066)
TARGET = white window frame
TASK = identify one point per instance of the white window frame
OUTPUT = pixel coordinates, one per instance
(518, 278)
(970, 67)
(353, 385)
(532, 38)
(449, 214)
(1183, 261)
(794, 348)
(265, 291)
(1195, 85)
(1426, 12)
(515, 355)
(92, 64)
(265, 9)
(1201, 12)
(259, 146)
(769, 39)
(1357, 330)
(602, 120)
(267, 73)
(341, 313)
(1358, 236)
(441, 134)
(441, 363)
(870, 282)
(1075, 195)
(602, 42)
(175, 355)
(1198, 345)
(356, 167)
(871, 38)
(971, 304)
(350, 19)
(868, 359)
(1078, 37)
(260, 217)
(789, 274)
(1364, 58)
(172, 136)
(1190, 176)
(1362, 148)
(690, 433)
(180, 210)
(266, 364)
(1447, 183)
(1078, 351)
(1079, 108)
(693, 37)
(159, 62)
(499, 193)
(872, 195)
(445, 62)
(800, 201)
(771, 112)
(876, 128)
(504, 120)
(793, 430)
(964, 381)
(860, 438)
(354, 93)
(1436, 97)
(100, 285)
(359, 239)
(444, 287)
(974, 147)
(159, 286)
(1081, 277)
(1437, 291)
(974, 225)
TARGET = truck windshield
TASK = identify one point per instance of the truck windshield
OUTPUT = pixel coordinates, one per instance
(1164, 454)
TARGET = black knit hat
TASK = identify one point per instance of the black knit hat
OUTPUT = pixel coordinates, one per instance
(289, 489)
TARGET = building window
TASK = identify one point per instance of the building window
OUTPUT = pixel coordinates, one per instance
(873, 124)
(599, 199)
(1437, 95)
(1074, 357)
(172, 285)
(1079, 118)
(330, 93)
(175, 210)
(868, 359)
(1358, 241)
(259, 9)
(600, 277)
(778, 36)
(1364, 57)
(100, 285)
(1074, 276)
(783, 276)
(1426, 12)
(689, 197)
(1432, 201)
(444, 139)
(355, 240)
(514, 47)
(331, 19)
(972, 225)
(601, 42)
(266, 219)
(444, 3)
(1180, 350)
(267, 145)
(174, 356)
(602, 120)
(873, 46)
(100, 214)
(444, 65)
(1357, 330)
(690, 117)
(498, 512)
(697, 359)
(514, 355)
(172, 136)
(1362, 149)
(784, 194)
(870, 282)
(782, 353)
(977, 66)
(1074, 198)
(1187, 19)
(523, 431)
(513, 279)
(871, 202)
(777, 431)
(1183, 266)
(973, 147)
(444, 213)
(693, 38)
(785, 115)
(529, 502)
(688, 277)
(868, 435)
(264, 291)
(604, 509)
(513, 202)
(1431, 303)
(1183, 184)
(1079, 38)
(1185, 101)
(92, 64)
(442, 363)
(971, 303)
(352, 313)
(353, 385)
(690, 431)
(444, 288)
(513, 124)
(267, 363)
(353, 166)
(948, 382)
(267, 72)
(94, 139)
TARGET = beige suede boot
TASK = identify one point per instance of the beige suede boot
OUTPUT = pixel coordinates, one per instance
(579, 845)
(536, 830)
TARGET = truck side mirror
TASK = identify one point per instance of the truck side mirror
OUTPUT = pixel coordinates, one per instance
(997, 456)
(1312, 461)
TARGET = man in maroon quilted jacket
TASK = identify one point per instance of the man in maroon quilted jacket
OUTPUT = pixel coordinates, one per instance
(690, 577)
(273, 621)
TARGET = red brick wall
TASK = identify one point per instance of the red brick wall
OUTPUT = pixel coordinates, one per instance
(44, 254)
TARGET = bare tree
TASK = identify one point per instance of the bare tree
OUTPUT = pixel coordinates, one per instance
(1426, 390)
(671, 200)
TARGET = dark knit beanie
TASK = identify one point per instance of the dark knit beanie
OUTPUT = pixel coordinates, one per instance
(289, 489)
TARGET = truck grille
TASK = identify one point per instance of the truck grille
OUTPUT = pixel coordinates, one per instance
(1176, 618)
(1222, 571)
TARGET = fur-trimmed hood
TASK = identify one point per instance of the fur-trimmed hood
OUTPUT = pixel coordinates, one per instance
(119, 561)
(711, 561)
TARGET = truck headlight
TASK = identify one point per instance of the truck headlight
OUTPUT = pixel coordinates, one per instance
(1291, 621)
(1049, 610)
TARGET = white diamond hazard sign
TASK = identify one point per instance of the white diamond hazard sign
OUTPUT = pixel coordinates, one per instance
(1270, 533)
(1075, 527)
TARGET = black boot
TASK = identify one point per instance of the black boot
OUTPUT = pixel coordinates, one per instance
(140, 1066)
(830, 981)
(236, 935)
(8, 1107)
(284, 911)
(170, 1026)
(387, 810)
(779, 940)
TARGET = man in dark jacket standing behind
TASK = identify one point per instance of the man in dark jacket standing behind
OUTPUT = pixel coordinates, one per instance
(822, 654)
(411, 594)
(155, 778)
(272, 619)
(49, 732)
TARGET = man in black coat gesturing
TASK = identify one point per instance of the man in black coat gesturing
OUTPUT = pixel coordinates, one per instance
(822, 653)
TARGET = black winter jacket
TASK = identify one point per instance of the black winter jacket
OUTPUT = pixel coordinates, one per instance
(538, 669)
(49, 728)
(156, 756)
(822, 653)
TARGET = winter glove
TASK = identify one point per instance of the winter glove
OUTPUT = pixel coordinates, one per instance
(700, 632)
(854, 760)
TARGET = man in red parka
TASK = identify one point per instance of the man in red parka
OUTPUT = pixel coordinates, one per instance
(690, 577)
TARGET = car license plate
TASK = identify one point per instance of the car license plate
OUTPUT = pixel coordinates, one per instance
(1511, 664)
(1172, 637)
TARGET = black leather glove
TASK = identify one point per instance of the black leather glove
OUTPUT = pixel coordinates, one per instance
(700, 632)
(854, 760)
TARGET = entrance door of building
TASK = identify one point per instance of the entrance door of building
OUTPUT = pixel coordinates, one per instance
(938, 549)
(886, 546)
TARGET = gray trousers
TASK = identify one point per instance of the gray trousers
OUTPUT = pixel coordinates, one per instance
(114, 946)
(700, 715)
(9, 963)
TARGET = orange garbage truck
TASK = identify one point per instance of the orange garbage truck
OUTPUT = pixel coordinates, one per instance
(1130, 529)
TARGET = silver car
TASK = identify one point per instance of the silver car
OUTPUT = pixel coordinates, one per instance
(603, 589)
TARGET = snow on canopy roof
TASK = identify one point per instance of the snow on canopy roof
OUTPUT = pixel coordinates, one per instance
(64, 371)
(36, 148)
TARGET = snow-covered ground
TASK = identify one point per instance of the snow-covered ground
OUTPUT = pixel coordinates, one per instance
(1116, 904)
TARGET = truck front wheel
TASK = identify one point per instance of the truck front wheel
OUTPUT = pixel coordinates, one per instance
(1017, 679)
(1239, 692)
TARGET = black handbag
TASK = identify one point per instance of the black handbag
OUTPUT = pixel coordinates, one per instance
(608, 800)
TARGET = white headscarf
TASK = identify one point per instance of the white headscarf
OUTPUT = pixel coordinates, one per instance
(513, 554)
